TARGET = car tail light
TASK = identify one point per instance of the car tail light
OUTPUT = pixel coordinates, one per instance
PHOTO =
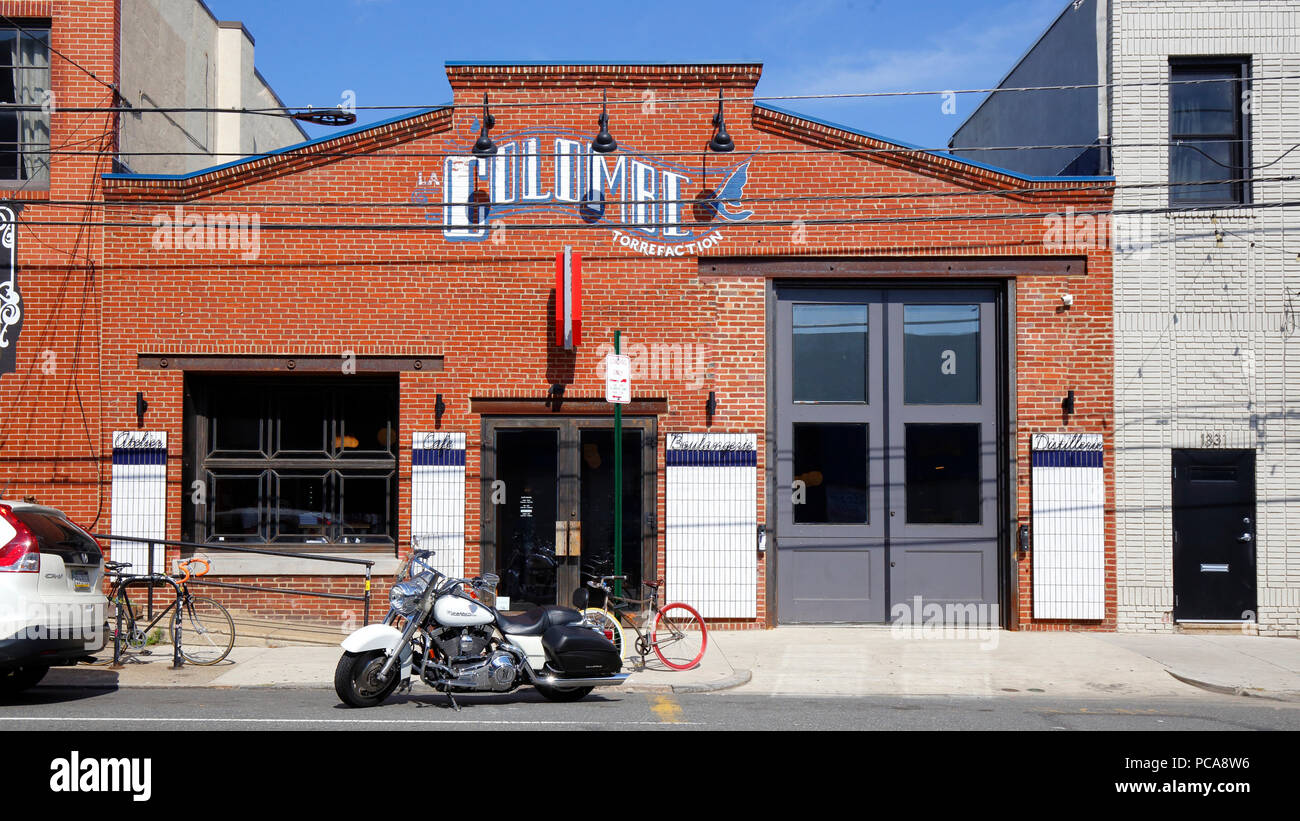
(19, 554)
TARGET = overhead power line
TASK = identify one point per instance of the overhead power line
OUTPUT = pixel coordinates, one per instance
(756, 98)
(749, 223)
(1100, 188)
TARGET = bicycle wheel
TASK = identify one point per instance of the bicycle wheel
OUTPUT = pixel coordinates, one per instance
(680, 636)
(207, 631)
(607, 624)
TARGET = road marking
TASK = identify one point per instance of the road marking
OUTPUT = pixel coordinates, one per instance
(332, 721)
(668, 710)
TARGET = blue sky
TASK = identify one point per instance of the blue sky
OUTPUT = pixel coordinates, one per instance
(392, 51)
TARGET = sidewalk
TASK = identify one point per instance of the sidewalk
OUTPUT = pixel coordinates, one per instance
(850, 661)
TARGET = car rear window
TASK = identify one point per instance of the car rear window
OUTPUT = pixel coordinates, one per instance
(60, 538)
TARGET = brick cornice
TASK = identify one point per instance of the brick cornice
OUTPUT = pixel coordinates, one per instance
(605, 75)
(317, 154)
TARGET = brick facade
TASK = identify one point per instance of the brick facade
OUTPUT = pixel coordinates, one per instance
(487, 306)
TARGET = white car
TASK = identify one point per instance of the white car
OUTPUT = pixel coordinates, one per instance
(51, 601)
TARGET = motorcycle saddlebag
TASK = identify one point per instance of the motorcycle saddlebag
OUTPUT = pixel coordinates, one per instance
(575, 651)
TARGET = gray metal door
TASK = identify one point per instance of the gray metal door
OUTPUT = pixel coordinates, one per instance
(830, 394)
(886, 453)
(943, 490)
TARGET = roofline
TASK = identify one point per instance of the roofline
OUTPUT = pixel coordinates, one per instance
(620, 63)
(1012, 70)
(937, 154)
(777, 109)
(267, 154)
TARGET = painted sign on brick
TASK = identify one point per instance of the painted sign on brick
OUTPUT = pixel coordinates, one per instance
(551, 171)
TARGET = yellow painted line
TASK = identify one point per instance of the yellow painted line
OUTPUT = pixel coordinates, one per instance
(668, 710)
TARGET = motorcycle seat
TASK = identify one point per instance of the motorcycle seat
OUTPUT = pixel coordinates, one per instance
(537, 621)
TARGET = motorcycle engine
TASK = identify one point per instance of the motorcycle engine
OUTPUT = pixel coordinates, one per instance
(459, 644)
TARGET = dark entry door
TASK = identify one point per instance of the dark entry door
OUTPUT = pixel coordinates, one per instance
(1214, 535)
(886, 459)
(548, 504)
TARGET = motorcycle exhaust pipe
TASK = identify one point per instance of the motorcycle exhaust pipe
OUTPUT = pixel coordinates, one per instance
(573, 683)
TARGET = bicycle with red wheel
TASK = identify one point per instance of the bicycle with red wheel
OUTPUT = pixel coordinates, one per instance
(677, 633)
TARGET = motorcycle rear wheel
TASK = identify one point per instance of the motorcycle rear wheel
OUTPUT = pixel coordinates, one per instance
(554, 694)
(356, 682)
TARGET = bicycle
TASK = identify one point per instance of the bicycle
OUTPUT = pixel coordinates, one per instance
(204, 623)
(679, 636)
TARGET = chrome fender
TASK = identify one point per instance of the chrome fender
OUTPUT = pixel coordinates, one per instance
(380, 637)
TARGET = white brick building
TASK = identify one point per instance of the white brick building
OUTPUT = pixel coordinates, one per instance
(1207, 371)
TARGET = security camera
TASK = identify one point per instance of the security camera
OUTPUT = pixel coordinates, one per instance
(1067, 300)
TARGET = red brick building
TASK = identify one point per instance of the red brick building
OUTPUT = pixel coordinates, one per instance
(841, 348)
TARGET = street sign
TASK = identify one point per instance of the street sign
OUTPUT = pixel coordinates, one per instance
(618, 379)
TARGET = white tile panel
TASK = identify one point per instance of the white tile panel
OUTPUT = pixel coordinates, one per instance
(711, 523)
(1068, 526)
(438, 498)
(139, 498)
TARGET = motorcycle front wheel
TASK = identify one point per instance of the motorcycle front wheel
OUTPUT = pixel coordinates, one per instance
(357, 682)
(555, 694)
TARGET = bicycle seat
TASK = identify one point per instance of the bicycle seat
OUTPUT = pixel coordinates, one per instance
(537, 621)
(654, 585)
(116, 565)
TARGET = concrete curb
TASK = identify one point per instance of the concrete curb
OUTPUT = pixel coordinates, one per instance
(1235, 690)
(733, 680)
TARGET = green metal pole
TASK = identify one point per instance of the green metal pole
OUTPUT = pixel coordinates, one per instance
(618, 484)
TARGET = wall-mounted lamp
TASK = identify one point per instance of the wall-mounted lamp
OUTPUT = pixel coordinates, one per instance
(140, 407)
(439, 408)
(721, 141)
(604, 143)
(483, 146)
(1067, 404)
(711, 406)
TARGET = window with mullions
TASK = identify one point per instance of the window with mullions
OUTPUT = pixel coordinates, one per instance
(25, 81)
(1209, 143)
(296, 461)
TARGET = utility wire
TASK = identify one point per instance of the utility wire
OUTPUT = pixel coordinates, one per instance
(282, 110)
(749, 223)
(1102, 188)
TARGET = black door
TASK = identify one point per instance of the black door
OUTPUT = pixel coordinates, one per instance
(1214, 535)
(548, 505)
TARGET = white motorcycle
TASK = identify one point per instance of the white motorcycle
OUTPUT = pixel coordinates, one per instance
(449, 632)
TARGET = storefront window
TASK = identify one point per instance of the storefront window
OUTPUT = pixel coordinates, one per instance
(296, 462)
(941, 346)
(830, 471)
(943, 474)
(830, 353)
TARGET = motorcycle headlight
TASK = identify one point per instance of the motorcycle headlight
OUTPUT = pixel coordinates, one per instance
(404, 597)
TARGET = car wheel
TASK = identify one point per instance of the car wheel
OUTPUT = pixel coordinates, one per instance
(17, 679)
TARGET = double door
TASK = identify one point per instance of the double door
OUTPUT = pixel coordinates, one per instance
(548, 505)
(887, 453)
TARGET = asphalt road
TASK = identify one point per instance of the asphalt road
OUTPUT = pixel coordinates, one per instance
(47, 708)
